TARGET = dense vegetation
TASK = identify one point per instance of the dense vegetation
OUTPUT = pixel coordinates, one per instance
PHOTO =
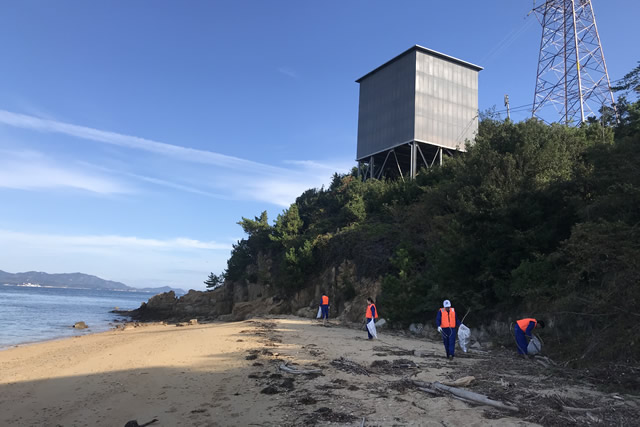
(534, 219)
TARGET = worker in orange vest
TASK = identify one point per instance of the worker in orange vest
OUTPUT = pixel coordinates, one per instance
(370, 314)
(523, 330)
(324, 305)
(446, 321)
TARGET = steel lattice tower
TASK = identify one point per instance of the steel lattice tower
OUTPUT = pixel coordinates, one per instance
(572, 74)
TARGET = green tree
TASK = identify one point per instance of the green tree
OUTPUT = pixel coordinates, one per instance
(214, 281)
(287, 226)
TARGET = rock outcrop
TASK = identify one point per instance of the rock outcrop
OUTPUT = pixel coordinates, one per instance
(235, 301)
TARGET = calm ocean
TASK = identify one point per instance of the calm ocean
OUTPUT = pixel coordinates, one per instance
(37, 314)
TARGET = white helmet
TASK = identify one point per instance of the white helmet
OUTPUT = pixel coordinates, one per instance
(446, 303)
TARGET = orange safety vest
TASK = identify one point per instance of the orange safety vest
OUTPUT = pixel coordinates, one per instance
(325, 300)
(369, 316)
(525, 322)
(447, 320)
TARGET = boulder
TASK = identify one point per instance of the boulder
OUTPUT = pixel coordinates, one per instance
(416, 328)
(80, 325)
(381, 323)
(193, 321)
(307, 312)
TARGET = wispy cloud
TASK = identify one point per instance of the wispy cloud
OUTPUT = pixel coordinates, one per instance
(313, 165)
(288, 72)
(158, 181)
(232, 178)
(30, 170)
(175, 151)
(82, 242)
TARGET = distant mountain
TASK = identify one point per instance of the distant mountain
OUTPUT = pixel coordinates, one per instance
(75, 280)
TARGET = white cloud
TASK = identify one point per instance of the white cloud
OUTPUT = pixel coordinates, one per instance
(339, 166)
(30, 170)
(288, 72)
(232, 178)
(158, 181)
(173, 151)
(85, 242)
(139, 262)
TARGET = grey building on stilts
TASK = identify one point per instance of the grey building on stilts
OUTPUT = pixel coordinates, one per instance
(413, 110)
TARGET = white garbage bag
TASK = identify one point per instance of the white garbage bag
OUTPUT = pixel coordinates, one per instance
(371, 326)
(464, 337)
(534, 346)
(319, 315)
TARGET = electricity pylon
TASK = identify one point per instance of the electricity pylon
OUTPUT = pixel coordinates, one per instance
(572, 74)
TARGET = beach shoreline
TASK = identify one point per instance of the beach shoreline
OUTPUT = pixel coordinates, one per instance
(229, 374)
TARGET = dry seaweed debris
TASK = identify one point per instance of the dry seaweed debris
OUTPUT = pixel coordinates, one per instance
(392, 367)
(350, 366)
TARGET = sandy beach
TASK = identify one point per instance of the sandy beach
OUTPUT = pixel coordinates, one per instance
(227, 374)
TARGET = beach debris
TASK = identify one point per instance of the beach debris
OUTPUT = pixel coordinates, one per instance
(134, 423)
(425, 353)
(350, 366)
(560, 404)
(270, 390)
(391, 367)
(287, 384)
(307, 400)
(464, 395)
(336, 384)
(327, 414)
(80, 325)
(284, 367)
(193, 321)
(396, 351)
(416, 328)
(251, 357)
(460, 382)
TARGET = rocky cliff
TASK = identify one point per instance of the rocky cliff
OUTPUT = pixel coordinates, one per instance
(240, 300)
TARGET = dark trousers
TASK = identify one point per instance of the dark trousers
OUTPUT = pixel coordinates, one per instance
(449, 340)
(521, 340)
(325, 311)
(369, 333)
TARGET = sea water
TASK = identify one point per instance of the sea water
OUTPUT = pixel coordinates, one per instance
(31, 314)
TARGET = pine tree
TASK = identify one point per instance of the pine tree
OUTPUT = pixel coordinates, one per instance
(214, 281)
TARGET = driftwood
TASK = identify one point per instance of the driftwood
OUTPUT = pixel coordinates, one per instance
(543, 363)
(285, 368)
(474, 397)
(460, 382)
(545, 359)
(428, 390)
(583, 410)
(464, 395)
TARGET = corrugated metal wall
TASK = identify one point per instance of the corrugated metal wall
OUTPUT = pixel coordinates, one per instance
(387, 107)
(446, 102)
(417, 97)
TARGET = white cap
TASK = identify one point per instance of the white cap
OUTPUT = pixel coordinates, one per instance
(446, 303)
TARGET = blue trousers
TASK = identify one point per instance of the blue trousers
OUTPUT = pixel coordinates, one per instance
(325, 311)
(521, 340)
(369, 333)
(449, 340)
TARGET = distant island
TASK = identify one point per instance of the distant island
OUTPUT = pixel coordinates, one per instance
(74, 280)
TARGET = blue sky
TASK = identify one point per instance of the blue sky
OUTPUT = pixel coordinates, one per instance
(134, 135)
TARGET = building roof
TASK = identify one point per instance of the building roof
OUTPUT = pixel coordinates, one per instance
(428, 52)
